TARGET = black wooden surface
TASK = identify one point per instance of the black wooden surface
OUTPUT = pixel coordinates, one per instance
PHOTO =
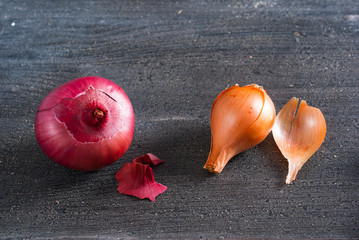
(173, 59)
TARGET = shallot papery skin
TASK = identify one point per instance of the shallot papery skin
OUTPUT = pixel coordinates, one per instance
(298, 134)
(137, 179)
(85, 124)
(241, 118)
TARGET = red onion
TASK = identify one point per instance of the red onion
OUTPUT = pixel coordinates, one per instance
(85, 124)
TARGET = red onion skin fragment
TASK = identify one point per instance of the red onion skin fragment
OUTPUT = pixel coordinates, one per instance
(148, 158)
(137, 179)
(85, 124)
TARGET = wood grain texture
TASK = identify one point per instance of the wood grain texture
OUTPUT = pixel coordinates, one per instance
(173, 59)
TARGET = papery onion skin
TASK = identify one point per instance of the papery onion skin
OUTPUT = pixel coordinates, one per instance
(137, 179)
(241, 118)
(148, 158)
(85, 124)
(298, 135)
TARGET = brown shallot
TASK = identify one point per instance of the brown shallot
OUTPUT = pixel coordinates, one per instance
(241, 118)
(298, 134)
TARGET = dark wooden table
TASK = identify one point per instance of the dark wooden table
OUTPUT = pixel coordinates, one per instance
(173, 59)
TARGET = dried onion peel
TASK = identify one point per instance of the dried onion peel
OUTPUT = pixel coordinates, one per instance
(298, 135)
(241, 118)
(148, 158)
(137, 179)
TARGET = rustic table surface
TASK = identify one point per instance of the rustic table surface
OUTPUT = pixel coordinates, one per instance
(173, 59)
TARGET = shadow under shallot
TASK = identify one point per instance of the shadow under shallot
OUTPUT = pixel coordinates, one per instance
(182, 144)
(274, 161)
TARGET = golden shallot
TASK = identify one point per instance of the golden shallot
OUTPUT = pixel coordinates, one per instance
(241, 118)
(298, 134)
